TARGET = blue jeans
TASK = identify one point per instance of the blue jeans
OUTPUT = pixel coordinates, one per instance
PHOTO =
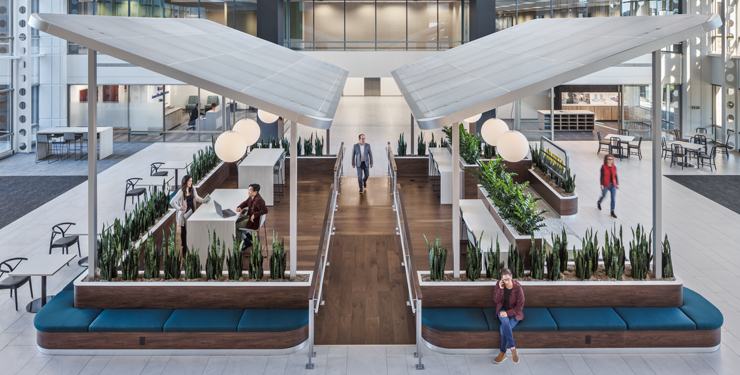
(360, 168)
(613, 189)
(507, 337)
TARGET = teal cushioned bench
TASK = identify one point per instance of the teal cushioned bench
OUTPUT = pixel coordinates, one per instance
(272, 320)
(703, 313)
(455, 320)
(204, 320)
(587, 319)
(535, 319)
(59, 315)
(131, 320)
(655, 319)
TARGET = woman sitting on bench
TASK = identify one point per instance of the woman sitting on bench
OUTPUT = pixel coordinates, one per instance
(509, 300)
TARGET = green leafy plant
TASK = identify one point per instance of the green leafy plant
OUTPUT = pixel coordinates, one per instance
(560, 246)
(553, 265)
(130, 263)
(536, 261)
(583, 263)
(203, 162)
(421, 147)
(437, 258)
(300, 149)
(591, 245)
(493, 258)
(286, 145)
(192, 264)
(319, 145)
(234, 259)
(274, 142)
(443, 143)
(613, 254)
(255, 260)
(308, 146)
(536, 158)
(473, 260)
(151, 259)
(432, 143)
(172, 260)
(489, 151)
(516, 262)
(448, 135)
(278, 261)
(402, 146)
(214, 260)
(469, 146)
(108, 254)
(569, 182)
(640, 253)
(667, 261)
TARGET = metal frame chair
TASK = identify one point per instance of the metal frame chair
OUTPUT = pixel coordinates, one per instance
(132, 191)
(631, 147)
(666, 149)
(154, 170)
(726, 145)
(13, 282)
(711, 157)
(616, 143)
(43, 139)
(677, 151)
(257, 231)
(65, 241)
(602, 144)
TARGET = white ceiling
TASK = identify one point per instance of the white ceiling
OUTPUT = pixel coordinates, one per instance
(214, 57)
(531, 57)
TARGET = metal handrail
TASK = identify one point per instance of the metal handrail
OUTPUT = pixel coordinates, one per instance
(392, 171)
(339, 167)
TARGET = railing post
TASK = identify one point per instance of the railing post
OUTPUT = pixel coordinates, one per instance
(419, 366)
(311, 353)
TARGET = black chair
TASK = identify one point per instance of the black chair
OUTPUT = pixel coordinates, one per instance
(71, 139)
(13, 282)
(678, 152)
(636, 147)
(700, 140)
(725, 146)
(132, 191)
(707, 158)
(64, 241)
(624, 132)
(701, 130)
(603, 145)
(666, 149)
(616, 144)
(154, 171)
(43, 140)
(677, 134)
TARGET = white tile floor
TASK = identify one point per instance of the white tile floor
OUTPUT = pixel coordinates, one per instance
(703, 236)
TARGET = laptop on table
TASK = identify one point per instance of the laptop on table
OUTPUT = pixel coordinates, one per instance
(223, 213)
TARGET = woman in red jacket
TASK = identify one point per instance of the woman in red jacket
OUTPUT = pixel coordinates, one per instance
(609, 181)
(509, 299)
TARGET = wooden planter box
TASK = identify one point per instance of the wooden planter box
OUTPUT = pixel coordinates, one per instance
(161, 229)
(556, 293)
(411, 166)
(213, 180)
(564, 206)
(314, 167)
(469, 182)
(524, 242)
(191, 294)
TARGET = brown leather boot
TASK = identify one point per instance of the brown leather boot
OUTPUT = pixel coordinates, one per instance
(501, 357)
(514, 355)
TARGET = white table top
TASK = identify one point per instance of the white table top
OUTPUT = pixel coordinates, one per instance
(688, 145)
(174, 165)
(262, 157)
(443, 157)
(624, 138)
(227, 198)
(710, 137)
(479, 221)
(42, 265)
(154, 180)
(69, 129)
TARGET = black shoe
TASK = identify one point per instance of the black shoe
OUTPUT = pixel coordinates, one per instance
(365, 182)
(599, 205)
(613, 215)
(360, 191)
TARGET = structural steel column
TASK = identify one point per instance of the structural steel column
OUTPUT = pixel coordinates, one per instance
(92, 161)
(456, 199)
(657, 167)
(293, 199)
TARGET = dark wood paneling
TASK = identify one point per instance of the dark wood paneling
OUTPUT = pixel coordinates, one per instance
(560, 204)
(570, 339)
(212, 182)
(558, 295)
(191, 297)
(163, 230)
(318, 169)
(470, 182)
(520, 168)
(172, 340)
(409, 166)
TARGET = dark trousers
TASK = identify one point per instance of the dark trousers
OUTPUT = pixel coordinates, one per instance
(360, 169)
(184, 238)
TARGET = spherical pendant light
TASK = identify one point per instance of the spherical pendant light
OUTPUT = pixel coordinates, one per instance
(513, 146)
(230, 146)
(249, 129)
(474, 118)
(492, 130)
(266, 117)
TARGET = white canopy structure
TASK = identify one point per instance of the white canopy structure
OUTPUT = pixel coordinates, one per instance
(537, 55)
(532, 57)
(213, 57)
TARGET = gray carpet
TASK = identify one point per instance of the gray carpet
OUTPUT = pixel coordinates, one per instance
(23, 194)
(723, 190)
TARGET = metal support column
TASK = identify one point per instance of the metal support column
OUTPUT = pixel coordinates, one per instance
(456, 199)
(518, 115)
(293, 199)
(328, 142)
(419, 366)
(657, 168)
(311, 329)
(552, 114)
(92, 161)
(413, 140)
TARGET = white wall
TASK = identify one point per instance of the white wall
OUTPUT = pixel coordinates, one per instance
(370, 63)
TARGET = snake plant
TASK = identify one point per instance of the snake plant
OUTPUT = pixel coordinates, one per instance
(432, 143)
(583, 262)
(151, 259)
(234, 259)
(591, 244)
(278, 261)
(319, 145)
(473, 260)
(172, 260)
(489, 151)
(437, 258)
(553, 265)
(299, 146)
(255, 260)
(214, 260)
(536, 261)
(494, 266)
(421, 147)
(402, 146)
(640, 252)
(667, 260)
(308, 146)
(286, 146)
(516, 263)
(613, 254)
(192, 264)
(130, 263)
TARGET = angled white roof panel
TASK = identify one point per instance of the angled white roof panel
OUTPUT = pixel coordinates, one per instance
(526, 59)
(214, 57)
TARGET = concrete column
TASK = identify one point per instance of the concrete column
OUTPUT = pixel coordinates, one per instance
(456, 199)
(657, 168)
(293, 199)
(92, 161)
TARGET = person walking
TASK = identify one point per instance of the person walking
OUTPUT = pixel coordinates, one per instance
(184, 202)
(509, 300)
(609, 182)
(362, 158)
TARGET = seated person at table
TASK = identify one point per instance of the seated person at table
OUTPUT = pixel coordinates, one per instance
(255, 207)
(509, 299)
(194, 113)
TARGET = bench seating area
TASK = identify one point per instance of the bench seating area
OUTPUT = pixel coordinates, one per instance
(62, 326)
(696, 324)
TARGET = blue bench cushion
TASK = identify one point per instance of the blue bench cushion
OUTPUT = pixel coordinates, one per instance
(587, 319)
(490, 313)
(655, 319)
(455, 320)
(272, 320)
(204, 320)
(535, 319)
(71, 285)
(700, 311)
(59, 315)
(131, 320)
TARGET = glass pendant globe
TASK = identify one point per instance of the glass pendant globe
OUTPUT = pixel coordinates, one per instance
(266, 117)
(513, 146)
(474, 118)
(230, 146)
(249, 129)
(492, 130)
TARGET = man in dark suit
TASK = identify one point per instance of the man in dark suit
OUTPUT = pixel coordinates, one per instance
(362, 158)
(255, 207)
(194, 113)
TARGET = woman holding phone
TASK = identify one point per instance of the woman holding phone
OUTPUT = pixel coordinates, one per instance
(184, 203)
(509, 299)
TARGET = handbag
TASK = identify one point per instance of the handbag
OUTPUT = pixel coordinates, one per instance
(187, 214)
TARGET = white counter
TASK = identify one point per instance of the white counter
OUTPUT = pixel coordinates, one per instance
(105, 139)
(257, 168)
(443, 159)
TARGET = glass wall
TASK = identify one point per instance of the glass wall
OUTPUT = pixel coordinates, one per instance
(374, 24)
(6, 49)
